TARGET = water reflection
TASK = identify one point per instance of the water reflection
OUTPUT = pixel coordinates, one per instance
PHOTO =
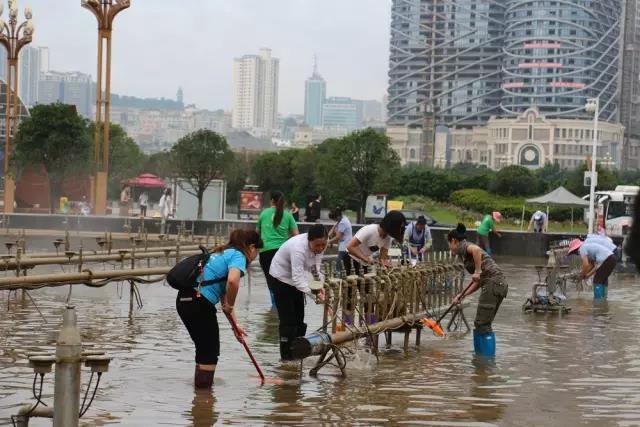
(203, 409)
(581, 368)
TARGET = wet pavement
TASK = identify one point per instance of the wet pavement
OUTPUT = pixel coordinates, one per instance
(579, 369)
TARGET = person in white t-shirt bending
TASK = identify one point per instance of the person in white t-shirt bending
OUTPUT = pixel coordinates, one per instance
(369, 239)
(374, 237)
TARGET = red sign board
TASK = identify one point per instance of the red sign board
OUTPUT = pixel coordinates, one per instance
(250, 201)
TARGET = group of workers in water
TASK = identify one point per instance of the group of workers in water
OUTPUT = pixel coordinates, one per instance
(290, 261)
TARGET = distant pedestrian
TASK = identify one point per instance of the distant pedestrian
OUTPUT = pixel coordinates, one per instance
(342, 233)
(314, 209)
(125, 199)
(143, 201)
(539, 222)
(418, 237)
(295, 212)
(488, 226)
(166, 209)
(275, 226)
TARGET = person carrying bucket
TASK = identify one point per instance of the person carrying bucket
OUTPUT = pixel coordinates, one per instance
(487, 226)
(292, 268)
(598, 260)
(486, 276)
(196, 307)
(275, 226)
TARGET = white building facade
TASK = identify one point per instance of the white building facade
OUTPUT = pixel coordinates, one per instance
(255, 91)
(531, 140)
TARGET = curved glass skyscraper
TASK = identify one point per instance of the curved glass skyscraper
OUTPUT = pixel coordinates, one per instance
(559, 53)
(446, 55)
(467, 60)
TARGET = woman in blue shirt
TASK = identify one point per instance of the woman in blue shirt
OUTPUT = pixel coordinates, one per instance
(196, 308)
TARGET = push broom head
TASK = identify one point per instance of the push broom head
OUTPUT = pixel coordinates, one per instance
(434, 326)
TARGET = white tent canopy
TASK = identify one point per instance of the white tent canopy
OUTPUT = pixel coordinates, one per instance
(558, 197)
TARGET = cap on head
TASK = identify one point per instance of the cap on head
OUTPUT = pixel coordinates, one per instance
(421, 220)
(537, 217)
(574, 245)
(394, 224)
(497, 216)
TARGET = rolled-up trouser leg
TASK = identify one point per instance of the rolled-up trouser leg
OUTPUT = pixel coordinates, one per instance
(491, 296)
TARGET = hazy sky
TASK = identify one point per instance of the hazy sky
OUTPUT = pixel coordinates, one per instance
(162, 44)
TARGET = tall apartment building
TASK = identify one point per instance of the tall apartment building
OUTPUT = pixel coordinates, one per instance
(630, 85)
(447, 55)
(30, 64)
(255, 91)
(30, 67)
(559, 54)
(72, 88)
(315, 94)
(459, 63)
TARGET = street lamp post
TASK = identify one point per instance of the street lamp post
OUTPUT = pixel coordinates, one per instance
(105, 12)
(13, 37)
(593, 106)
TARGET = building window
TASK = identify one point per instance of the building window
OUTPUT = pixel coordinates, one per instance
(530, 136)
(412, 153)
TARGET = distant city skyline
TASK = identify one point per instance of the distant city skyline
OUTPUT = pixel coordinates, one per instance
(350, 38)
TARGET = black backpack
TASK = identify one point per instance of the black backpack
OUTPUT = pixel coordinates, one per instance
(184, 275)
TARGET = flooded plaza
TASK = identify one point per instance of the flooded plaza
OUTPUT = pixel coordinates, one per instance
(579, 369)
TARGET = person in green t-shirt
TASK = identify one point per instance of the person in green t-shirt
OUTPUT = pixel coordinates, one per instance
(488, 225)
(275, 226)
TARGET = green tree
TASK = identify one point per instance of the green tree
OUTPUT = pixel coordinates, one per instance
(575, 180)
(273, 171)
(238, 176)
(126, 160)
(516, 181)
(201, 157)
(303, 171)
(57, 138)
(552, 176)
(351, 168)
(160, 164)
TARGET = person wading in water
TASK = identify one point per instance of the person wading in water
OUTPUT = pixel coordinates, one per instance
(275, 226)
(196, 307)
(487, 276)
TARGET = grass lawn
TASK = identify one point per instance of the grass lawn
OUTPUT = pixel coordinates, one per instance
(451, 215)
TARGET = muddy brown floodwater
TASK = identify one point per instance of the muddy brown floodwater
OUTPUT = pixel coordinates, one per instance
(580, 369)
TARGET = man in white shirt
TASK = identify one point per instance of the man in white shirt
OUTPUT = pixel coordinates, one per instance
(292, 268)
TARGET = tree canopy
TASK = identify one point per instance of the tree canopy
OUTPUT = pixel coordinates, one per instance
(201, 157)
(57, 138)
